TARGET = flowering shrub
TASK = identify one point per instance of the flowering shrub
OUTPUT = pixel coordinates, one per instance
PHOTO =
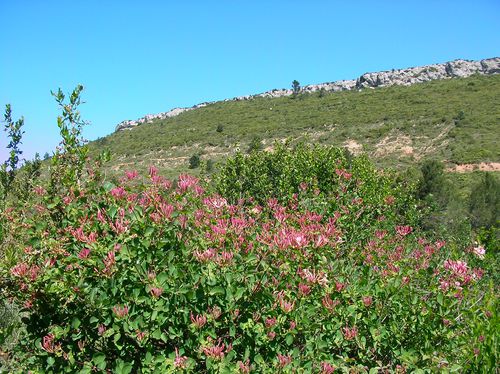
(152, 276)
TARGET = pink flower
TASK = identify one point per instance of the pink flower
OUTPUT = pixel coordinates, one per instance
(286, 306)
(166, 210)
(153, 171)
(156, 292)
(244, 367)
(329, 304)
(198, 320)
(339, 286)
(270, 322)
(304, 289)
(479, 251)
(299, 240)
(84, 253)
(39, 190)
(389, 200)
(367, 300)
(120, 311)
(130, 175)
(118, 192)
(215, 202)
(109, 261)
(349, 332)
(404, 230)
(284, 360)
(140, 335)
(440, 244)
(19, 270)
(179, 361)
(205, 255)
(320, 241)
(48, 343)
(225, 257)
(101, 329)
(101, 215)
(459, 268)
(216, 352)
(327, 368)
(185, 182)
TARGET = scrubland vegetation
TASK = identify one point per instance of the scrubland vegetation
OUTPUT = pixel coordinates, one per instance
(306, 259)
(455, 121)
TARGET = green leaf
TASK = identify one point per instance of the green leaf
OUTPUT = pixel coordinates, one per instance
(75, 323)
(217, 291)
(440, 298)
(99, 360)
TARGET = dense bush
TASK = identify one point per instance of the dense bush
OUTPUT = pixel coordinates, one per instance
(306, 264)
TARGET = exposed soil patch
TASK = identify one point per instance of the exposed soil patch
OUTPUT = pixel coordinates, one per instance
(401, 144)
(482, 166)
(354, 147)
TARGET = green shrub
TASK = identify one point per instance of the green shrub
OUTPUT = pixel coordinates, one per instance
(484, 206)
(147, 277)
(194, 161)
(255, 145)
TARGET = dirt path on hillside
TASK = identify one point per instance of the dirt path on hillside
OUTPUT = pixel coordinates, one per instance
(467, 168)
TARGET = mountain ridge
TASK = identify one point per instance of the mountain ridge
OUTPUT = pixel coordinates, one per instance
(402, 77)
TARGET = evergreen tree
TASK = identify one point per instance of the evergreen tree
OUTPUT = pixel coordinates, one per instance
(484, 202)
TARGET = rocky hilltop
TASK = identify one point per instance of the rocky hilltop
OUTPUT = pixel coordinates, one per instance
(402, 77)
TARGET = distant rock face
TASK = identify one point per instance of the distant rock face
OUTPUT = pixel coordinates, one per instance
(400, 77)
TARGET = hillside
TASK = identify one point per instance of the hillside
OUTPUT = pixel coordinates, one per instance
(454, 120)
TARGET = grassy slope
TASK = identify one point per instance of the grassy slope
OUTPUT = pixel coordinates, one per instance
(396, 126)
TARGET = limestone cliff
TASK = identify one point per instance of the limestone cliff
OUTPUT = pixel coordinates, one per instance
(402, 77)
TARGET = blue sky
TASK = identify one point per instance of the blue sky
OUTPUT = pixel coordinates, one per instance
(145, 57)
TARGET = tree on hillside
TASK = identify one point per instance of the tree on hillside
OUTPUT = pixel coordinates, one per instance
(295, 87)
(484, 202)
(433, 183)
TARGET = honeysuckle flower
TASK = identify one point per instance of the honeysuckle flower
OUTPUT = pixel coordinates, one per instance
(479, 251)
(179, 361)
(84, 253)
(286, 306)
(270, 322)
(244, 366)
(131, 175)
(101, 329)
(404, 230)
(327, 368)
(118, 192)
(457, 267)
(304, 289)
(120, 311)
(216, 351)
(48, 343)
(349, 332)
(19, 270)
(140, 335)
(156, 291)
(329, 304)
(284, 360)
(199, 320)
(367, 300)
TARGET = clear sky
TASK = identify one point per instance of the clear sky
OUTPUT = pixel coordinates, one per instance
(140, 57)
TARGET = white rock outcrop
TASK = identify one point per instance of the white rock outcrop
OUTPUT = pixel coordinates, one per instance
(401, 77)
